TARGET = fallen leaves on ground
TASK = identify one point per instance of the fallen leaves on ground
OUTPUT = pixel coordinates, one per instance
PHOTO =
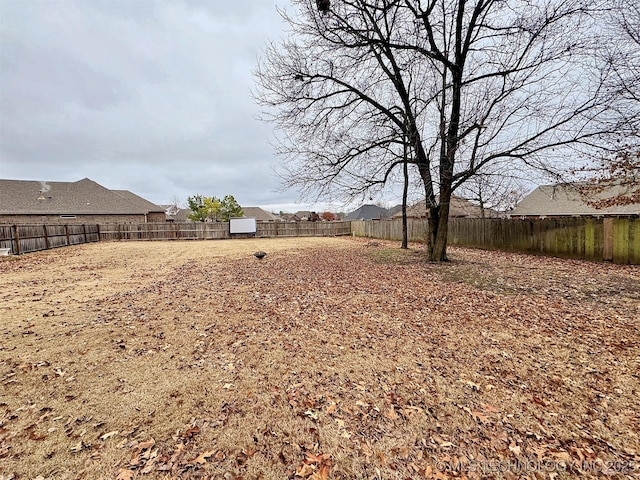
(329, 360)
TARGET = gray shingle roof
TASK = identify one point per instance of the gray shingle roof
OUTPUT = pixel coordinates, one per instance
(84, 197)
(368, 212)
(139, 201)
(567, 200)
(259, 214)
(460, 207)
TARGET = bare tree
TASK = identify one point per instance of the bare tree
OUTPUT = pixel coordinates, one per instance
(614, 178)
(495, 190)
(622, 53)
(468, 82)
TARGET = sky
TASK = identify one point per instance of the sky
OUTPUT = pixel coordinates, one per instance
(140, 95)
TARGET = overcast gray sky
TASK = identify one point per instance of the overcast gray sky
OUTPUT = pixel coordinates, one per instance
(148, 96)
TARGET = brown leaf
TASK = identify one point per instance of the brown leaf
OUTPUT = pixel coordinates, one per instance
(77, 447)
(220, 456)
(124, 474)
(403, 453)
(482, 418)
(144, 445)
(191, 432)
(312, 458)
(135, 459)
(137, 450)
(305, 470)
(202, 458)
(366, 449)
(515, 448)
(322, 473)
(391, 414)
(149, 466)
(241, 458)
(108, 435)
(36, 436)
(177, 454)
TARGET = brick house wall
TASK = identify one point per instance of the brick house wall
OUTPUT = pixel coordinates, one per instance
(155, 217)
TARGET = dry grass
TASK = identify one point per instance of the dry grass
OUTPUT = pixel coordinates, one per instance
(327, 358)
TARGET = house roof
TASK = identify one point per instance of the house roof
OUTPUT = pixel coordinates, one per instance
(302, 213)
(289, 217)
(460, 207)
(176, 214)
(367, 212)
(139, 201)
(259, 214)
(571, 200)
(84, 197)
(394, 210)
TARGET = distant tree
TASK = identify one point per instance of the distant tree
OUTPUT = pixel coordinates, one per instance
(203, 208)
(328, 216)
(229, 208)
(314, 217)
(176, 203)
(614, 181)
(493, 190)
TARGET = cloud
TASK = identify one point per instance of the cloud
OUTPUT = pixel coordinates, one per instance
(148, 96)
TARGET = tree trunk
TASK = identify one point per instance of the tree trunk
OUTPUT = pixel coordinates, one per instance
(439, 251)
(433, 224)
(405, 191)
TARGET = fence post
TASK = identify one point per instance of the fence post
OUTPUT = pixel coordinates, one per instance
(16, 237)
(84, 230)
(98, 232)
(66, 232)
(46, 237)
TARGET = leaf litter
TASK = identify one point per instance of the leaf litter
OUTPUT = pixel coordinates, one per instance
(331, 358)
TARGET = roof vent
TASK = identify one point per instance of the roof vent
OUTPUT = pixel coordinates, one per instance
(44, 188)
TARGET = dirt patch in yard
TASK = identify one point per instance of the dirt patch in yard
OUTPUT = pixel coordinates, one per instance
(329, 358)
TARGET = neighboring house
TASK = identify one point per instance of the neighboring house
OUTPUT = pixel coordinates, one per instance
(573, 200)
(368, 212)
(459, 208)
(288, 217)
(395, 210)
(84, 201)
(302, 215)
(259, 214)
(176, 214)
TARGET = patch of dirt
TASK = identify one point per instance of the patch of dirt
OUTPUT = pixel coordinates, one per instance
(326, 359)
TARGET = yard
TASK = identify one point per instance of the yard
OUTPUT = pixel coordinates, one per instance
(329, 358)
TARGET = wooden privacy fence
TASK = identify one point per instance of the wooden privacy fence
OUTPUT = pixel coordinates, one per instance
(31, 238)
(218, 230)
(609, 239)
(164, 231)
(303, 229)
(390, 229)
